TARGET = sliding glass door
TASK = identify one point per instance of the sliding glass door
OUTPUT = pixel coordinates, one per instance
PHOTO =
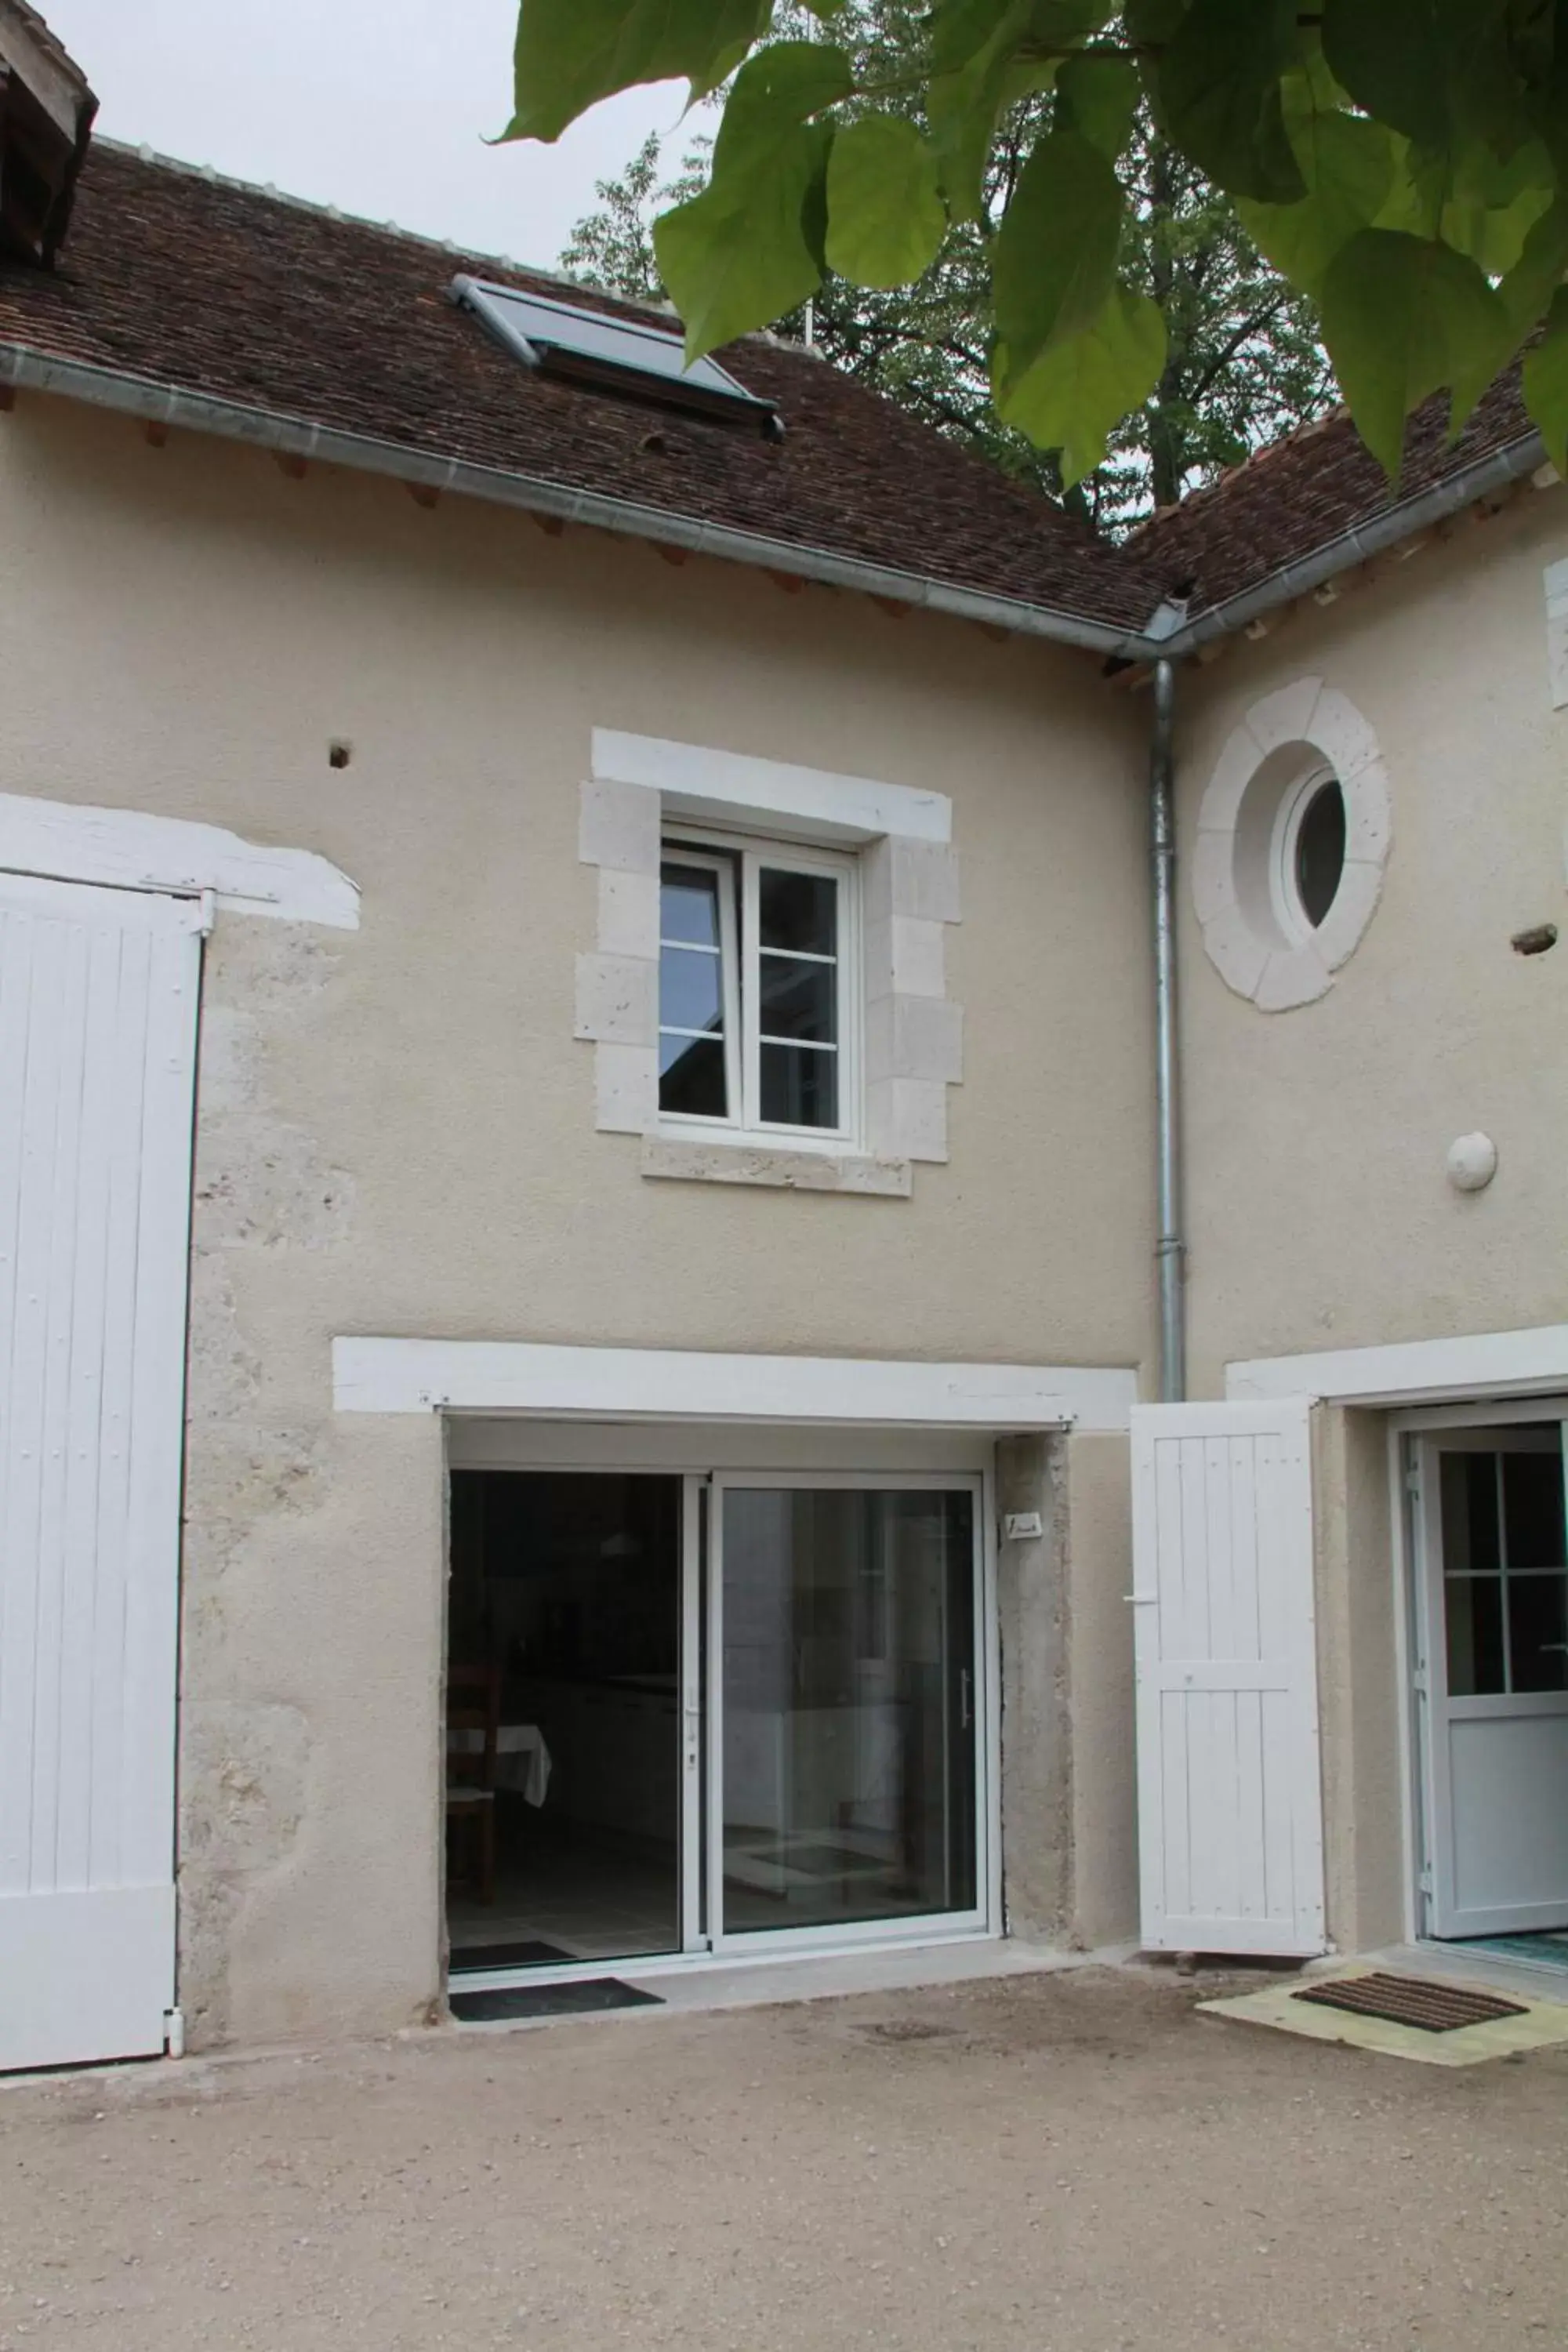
(692, 1713)
(844, 1701)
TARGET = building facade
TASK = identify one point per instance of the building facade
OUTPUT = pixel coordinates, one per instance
(583, 1320)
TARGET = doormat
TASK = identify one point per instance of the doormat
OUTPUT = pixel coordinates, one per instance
(1412, 2001)
(585, 1999)
(532, 1954)
(1537, 2025)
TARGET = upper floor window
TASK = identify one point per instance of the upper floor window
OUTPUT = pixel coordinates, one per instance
(756, 1002)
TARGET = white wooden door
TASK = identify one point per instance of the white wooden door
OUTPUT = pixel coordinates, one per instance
(1492, 1681)
(1229, 1800)
(98, 1022)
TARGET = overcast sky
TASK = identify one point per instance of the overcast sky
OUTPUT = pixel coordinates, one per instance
(379, 106)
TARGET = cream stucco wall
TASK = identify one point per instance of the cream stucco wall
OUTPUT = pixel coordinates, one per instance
(1100, 1713)
(1319, 1212)
(1361, 1703)
(396, 1130)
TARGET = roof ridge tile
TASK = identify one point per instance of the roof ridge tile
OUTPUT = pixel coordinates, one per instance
(268, 193)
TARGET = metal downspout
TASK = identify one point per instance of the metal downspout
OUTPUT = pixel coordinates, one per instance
(1169, 1247)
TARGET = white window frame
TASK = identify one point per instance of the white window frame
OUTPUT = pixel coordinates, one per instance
(1290, 912)
(709, 861)
(743, 856)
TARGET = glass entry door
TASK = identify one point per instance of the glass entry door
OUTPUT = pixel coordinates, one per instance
(1495, 1643)
(844, 1702)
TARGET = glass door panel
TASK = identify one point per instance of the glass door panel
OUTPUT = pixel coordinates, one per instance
(1495, 1701)
(848, 1770)
(571, 1685)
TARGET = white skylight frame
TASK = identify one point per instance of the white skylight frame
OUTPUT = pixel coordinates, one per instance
(612, 352)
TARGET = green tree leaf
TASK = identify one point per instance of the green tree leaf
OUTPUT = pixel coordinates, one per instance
(743, 253)
(1393, 60)
(985, 55)
(1402, 316)
(1442, 72)
(1061, 23)
(886, 220)
(1546, 381)
(571, 53)
(1529, 288)
(1348, 165)
(1055, 254)
(965, 98)
(1155, 21)
(1219, 95)
(774, 92)
(1073, 398)
(1097, 95)
(961, 29)
(1493, 205)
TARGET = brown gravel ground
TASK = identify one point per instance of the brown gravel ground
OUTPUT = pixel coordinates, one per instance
(1066, 2163)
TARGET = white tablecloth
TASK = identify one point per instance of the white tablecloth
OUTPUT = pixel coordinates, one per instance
(522, 1759)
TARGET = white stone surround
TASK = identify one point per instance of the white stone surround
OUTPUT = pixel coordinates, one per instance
(1307, 722)
(913, 1035)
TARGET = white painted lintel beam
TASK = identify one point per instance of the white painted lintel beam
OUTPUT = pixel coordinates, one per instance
(656, 1384)
(1532, 1362)
(132, 849)
(696, 778)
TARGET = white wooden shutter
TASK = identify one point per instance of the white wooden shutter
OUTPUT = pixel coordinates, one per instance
(1229, 1801)
(97, 1022)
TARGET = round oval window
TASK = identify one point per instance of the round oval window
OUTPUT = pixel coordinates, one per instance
(1318, 853)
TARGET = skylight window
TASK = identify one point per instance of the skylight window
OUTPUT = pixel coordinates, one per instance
(619, 355)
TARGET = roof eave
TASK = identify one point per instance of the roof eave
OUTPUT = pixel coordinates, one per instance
(23, 367)
(1405, 519)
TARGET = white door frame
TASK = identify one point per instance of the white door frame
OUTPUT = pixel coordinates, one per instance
(1405, 1431)
(696, 1553)
(1423, 1770)
(645, 1451)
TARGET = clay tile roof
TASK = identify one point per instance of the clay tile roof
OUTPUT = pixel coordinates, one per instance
(1304, 490)
(187, 280)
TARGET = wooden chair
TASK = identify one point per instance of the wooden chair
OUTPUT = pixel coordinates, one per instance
(473, 1705)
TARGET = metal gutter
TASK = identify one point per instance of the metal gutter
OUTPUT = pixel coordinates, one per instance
(160, 404)
(1495, 471)
(1170, 1250)
(26, 369)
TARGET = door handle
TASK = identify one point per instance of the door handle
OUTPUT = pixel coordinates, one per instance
(964, 1712)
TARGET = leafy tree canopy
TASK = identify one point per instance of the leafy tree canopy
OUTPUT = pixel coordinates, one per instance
(1402, 164)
